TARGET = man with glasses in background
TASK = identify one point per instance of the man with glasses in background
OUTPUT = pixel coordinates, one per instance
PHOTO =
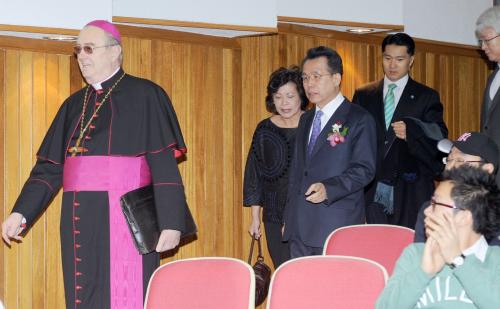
(472, 149)
(407, 159)
(488, 34)
(455, 268)
(115, 135)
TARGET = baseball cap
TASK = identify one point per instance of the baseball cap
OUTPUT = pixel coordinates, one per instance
(473, 143)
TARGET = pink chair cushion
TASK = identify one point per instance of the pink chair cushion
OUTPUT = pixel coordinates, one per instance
(200, 283)
(326, 282)
(381, 243)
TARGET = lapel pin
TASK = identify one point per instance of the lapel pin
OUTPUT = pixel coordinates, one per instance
(412, 97)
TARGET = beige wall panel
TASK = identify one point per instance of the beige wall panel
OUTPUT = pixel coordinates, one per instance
(11, 158)
(38, 131)
(34, 86)
(58, 85)
(259, 59)
(2, 167)
(25, 163)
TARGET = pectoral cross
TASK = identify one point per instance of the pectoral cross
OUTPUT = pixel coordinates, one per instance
(77, 149)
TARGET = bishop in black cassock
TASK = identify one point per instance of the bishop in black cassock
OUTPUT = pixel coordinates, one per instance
(117, 134)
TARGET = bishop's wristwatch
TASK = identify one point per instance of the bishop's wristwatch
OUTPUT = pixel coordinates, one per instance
(457, 261)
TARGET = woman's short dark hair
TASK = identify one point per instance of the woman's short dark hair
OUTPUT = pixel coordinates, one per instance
(332, 57)
(475, 190)
(283, 76)
(400, 39)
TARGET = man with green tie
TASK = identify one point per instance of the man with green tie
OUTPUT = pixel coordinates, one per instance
(409, 119)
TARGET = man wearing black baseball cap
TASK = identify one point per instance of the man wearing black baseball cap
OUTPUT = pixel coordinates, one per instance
(471, 148)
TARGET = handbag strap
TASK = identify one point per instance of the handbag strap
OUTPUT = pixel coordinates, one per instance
(260, 257)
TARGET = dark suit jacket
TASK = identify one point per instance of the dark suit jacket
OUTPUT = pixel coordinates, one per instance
(345, 169)
(411, 165)
(490, 118)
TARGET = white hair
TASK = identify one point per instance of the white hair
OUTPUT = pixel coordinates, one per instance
(110, 40)
(489, 19)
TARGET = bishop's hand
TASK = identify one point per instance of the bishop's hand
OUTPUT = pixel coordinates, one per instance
(169, 239)
(12, 227)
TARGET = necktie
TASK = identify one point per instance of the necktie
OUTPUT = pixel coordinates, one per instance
(389, 105)
(316, 129)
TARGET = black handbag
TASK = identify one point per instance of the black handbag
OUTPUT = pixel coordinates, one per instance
(140, 212)
(139, 209)
(262, 274)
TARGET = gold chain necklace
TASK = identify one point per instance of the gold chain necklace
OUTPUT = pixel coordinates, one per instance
(76, 149)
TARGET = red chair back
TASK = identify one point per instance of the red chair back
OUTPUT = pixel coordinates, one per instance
(202, 283)
(326, 282)
(378, 242)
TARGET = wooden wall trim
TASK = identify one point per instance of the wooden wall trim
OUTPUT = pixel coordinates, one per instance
(422, 45)
(326, 33)
(449, 48)
(177, 36)
(130, 31)
(338, 23)
(178, 23)
(32, 29)
(36, 45)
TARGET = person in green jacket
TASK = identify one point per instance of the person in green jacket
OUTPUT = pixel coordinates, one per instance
(455, 268)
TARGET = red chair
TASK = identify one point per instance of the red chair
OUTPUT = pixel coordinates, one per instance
(378, 242)
(202, 283)
(326, 282)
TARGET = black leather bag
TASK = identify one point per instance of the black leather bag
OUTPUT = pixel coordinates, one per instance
(140, 212)
(262, 274)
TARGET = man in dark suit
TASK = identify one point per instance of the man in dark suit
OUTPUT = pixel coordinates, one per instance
(334, 159)
(488, 34)
(406, 114)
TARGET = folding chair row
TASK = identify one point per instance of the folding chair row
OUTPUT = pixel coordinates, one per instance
(308, 282)
(350, 274)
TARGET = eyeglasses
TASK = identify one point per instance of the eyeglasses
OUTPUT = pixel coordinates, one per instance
(434, 204)
(487, 41)
(314, 77)
(88, 49)
(447, 160)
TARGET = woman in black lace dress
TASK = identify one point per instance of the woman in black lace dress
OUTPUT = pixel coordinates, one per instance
(269, 159)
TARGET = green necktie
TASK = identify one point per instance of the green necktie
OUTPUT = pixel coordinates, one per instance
(389, 105)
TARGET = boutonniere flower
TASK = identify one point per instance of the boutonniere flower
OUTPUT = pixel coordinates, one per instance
(338, 134)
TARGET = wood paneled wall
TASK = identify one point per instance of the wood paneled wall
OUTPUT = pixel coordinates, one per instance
(218, 88)
(34, 85)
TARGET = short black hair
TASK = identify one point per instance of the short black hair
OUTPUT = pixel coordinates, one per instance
(400, 39)
(333, 58)
(475, 190)
(283, 76)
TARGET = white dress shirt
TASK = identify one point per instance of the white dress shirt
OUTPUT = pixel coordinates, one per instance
(495, 84)
(478, 249)
(328, 111)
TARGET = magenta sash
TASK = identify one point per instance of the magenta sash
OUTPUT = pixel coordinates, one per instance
(117, 176)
